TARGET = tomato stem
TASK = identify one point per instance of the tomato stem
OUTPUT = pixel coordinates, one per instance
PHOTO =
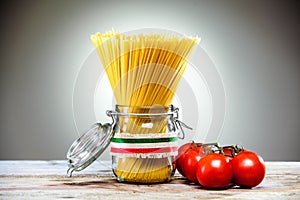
(209, 144)
(194, 144)
(214, 147)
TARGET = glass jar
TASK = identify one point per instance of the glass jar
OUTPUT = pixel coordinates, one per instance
(143, 143)
(144, 146)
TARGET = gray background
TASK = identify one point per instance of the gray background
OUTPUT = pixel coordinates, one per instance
(254, 44)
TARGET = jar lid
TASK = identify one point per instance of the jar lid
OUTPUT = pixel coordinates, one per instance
(86, 149)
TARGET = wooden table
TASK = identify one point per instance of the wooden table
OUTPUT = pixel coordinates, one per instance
(47, 180)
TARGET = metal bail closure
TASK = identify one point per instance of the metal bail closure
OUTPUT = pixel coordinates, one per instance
(86, 149)
(178, 124)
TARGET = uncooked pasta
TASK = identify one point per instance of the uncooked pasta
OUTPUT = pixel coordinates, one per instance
(144, 71)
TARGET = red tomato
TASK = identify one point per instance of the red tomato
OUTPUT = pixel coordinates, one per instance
(179, 159)
(214, 171)
(190, 164)
(248, 169)
(229, 152)
(181, 154)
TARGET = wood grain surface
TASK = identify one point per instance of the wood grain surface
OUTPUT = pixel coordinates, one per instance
(47, 180)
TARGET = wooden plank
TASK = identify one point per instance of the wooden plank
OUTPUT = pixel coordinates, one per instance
(51, 167)
(46, 180)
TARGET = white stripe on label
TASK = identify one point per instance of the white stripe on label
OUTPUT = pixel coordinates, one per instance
(144, 145)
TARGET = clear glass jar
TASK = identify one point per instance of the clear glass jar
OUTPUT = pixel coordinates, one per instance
(144, 145)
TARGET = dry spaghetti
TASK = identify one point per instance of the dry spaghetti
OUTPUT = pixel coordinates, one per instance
(143, 70)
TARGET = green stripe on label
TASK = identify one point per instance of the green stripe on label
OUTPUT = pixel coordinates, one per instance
(144, 140)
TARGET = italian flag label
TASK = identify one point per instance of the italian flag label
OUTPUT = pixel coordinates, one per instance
(152, 145)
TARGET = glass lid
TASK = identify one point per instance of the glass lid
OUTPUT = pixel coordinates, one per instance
(86, 149)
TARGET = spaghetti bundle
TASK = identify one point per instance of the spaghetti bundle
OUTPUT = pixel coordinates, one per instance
(144, 71)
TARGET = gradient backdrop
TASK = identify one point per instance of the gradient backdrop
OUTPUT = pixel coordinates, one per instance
(254, 44)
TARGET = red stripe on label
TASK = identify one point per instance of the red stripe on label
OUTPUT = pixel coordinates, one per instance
(147, 150)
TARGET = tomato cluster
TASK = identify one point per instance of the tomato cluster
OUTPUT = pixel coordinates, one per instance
(215, 167)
